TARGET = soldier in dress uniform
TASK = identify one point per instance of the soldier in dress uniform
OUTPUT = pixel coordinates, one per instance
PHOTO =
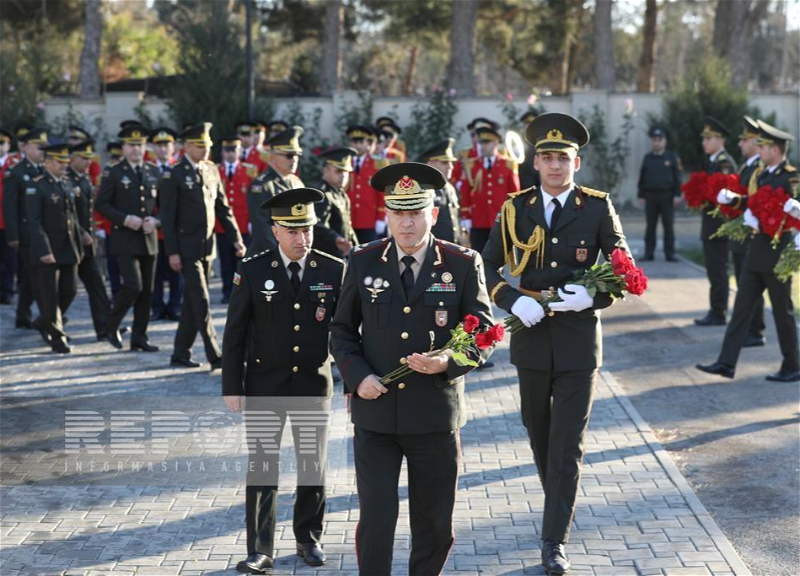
(758, 270)
(715, 250)
(236, 176)
(55, 243)
(386, 146)
(8, 255)
(280, 175)
(748, 176)
(20, 130)
(401, 297)
(114, 150)
(17, 183)
(276, 127)
(399, 144)
(493, 177)
(82, 155)
(77, 134)
(276, 352)
(192, 196)
(128, 197)
(660, 192)
(369, 216)
(462, 173)
(544, 235)
(252, 152)
(333, 232)
(447, 226)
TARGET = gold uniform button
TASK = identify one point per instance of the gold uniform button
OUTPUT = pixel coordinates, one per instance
(142, 209)
(297, 327)
(295, 368)
(404, 335)
(296, 349)
(258, 360)
(401, 386)
(403, 360)
(407, 310)
(141, 198)
(554, 240)
(297, 305)
(553, 264)
(551, 313)
(583, 242)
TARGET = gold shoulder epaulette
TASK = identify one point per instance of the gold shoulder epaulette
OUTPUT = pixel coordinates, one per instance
(790, 168)
(37, 178)
(256, 255)
(521, 192)
(594, 193)
(328, 256)
(511, 164)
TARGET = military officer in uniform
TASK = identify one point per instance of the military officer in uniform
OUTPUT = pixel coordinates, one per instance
(55, 243)
(545, 235)
(82, 155)
(401, 297)
(369, 216)
(758, 270)
(284, 158)
(528, 175)
(128, 193)
(748, 176)
(660, 192)
(17, 183)
(333, 232)
(715, 250)
(192, 196)
(447, 226)
(276, 353)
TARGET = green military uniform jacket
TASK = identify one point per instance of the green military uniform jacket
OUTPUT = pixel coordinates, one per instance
(587, 227)
(266, 185)
(448, 225)
(84, 204)
(276, 342)
(122, 193)
(375, 327)
(761, 256)
(53, 220)
(17, 183)
(191, 199)
(333, 220)
(710, 224)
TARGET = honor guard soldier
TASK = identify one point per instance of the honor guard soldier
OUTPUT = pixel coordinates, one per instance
(493, 178)
(81, 157)
(545, 235)
(715, 250)
(75, 136)
(386, 146)
(333, 232)
(276, 352)
(251, 152)
(114, 150)
(8, 255)
(399, 143)
(17, 183)
(758, 270)
(463, 170)
(528, 175)
(192, 197)
(369, 216)
(236, 176)
(128, 195)
(55, 243)
(447, 226)
(20, 130)
(660, 192)
(401, 297)
(276, 127)
(280, 175)
(749, 172)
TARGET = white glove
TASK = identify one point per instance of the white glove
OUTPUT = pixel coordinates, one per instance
(466, 223)
(578, 300)
(725, 196)
(750, 220)
(528, 310)
(100, 233)
(380, 227)
(797, 241)
(792, 208)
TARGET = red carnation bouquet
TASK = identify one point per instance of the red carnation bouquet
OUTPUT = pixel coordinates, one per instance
(696, 191)
(767, 205)
(616, 277)
(464, 338)
(717, 182)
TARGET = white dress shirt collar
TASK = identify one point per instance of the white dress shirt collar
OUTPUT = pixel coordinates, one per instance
(286, 261)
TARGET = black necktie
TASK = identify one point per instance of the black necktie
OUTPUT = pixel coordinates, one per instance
(556, 214)
(294, 268)
(138, 170)
(230, 172)
(408, 274)
(358, 165)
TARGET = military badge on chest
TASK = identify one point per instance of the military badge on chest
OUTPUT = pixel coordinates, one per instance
(375, 287)
(321, 290)
(269, 291)
(125, 181)
(581, 254)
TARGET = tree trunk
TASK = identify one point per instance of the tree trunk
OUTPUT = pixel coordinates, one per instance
(604, 67)
(645, 81)
(90, 55)
(461, 68)
(408, 81)
(734, 23)
(331, 64)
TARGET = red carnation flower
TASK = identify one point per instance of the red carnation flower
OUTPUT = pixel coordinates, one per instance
(471, 323)
(621, 262)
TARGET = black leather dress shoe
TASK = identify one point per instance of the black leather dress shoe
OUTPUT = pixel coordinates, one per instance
(174, 316)
(60, 346)
(648, 258)
(39, 326)
(21, 323)
(157, 316)
(717, 368)
(711, 319)
(312, 553)
(785, 376)
(183, 363)
(255, 564)
(143, 346)
(554, 557)
(672, 259)
(216, 364)
(485, 365)
(754, 341)
(115, 339)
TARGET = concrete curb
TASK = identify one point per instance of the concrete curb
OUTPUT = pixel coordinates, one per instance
(724, 546)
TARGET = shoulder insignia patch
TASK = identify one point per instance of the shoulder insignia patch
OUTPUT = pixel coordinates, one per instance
(37, 178)
(256, 255)
(594, 193)
(790, 168)
(237, 278)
